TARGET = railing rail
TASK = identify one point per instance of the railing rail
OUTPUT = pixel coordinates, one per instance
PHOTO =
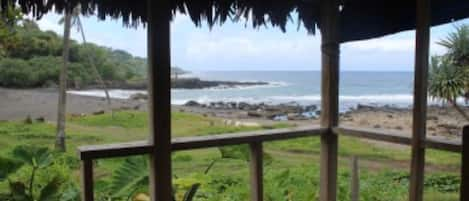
(255, 139)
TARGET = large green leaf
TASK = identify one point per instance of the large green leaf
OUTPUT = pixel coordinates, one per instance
(18, 192)
(131, 175)
(39, 157)
(50, 192)
(8, 166)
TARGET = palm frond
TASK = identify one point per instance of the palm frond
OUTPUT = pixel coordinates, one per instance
(131, 175)
(8, 166)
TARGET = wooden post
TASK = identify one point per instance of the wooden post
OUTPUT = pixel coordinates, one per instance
(257, 192)
(159, 77)
(465, 165)
(419, 119)
(329, 97)
(355, 180)
(87, 180)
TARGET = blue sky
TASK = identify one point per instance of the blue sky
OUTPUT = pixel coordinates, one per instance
(236, 47)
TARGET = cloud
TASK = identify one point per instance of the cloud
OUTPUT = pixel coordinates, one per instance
(50, 23)
(253, 49)
(383, 44)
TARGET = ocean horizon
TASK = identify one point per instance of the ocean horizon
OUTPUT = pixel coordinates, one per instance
(376, 88)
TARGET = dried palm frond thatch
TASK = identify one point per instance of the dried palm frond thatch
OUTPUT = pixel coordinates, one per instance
(360, 19)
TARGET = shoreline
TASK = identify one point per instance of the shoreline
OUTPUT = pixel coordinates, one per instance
(17, 104)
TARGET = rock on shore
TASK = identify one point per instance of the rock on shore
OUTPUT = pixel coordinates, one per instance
(180, 83)
(286, 111)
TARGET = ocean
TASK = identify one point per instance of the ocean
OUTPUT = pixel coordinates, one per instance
(303, 87)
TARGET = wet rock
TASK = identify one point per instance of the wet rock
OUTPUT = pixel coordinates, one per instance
(296, 116)
(311, 108)
(365, 107)
(139, 96)
(41, 119)
(98, 112)
(192, 103)
(243, 106)
(254, 114)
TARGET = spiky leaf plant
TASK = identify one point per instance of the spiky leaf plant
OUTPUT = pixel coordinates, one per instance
(446, 82)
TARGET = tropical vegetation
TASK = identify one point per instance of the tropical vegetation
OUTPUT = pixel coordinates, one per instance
(449, 73)
(31, 57)
(291, 167)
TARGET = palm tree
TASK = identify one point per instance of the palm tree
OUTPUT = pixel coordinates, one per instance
(70, 19)
(60, 136)
(457, 44)
(76, 22)
(446, 82)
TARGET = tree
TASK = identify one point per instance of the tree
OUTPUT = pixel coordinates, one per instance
(446, 82)
(449, 74)
(75, 21)
(60, 137)
(457, 44)
(8, 21)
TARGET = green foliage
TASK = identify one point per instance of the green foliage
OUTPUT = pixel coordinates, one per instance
(33, 59)
(8, 37)
(446, 82)
(457, 44)
(42, 182)
(8, 166)
(131, 175)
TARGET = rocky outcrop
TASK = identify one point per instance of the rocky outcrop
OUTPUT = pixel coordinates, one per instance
(180, 83)
(286, 111)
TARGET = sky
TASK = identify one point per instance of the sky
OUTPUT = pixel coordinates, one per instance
(233, 46)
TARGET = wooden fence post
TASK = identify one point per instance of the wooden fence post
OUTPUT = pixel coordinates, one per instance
(87, 180)
(464, 194)
(422, 46)
(355, 180)
(330, 50)
(159, 102)
(257, 191)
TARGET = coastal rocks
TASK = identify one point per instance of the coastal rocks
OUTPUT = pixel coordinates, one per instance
(280, 112)
(196, 83)
(192, 104)
(139, 96)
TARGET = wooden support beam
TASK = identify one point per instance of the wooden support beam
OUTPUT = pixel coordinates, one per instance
(257, 189)
(355, 180)
(159, 88)
(87, 180)
(330, 49)
(422, 41)
(464, 194)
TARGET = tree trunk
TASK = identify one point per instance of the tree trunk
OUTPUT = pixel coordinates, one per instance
(460, 110)
(99, 79)
(60, 138)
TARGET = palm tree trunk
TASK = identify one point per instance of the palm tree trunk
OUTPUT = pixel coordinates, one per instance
(95, 70)
(460, 110)
(60, 137)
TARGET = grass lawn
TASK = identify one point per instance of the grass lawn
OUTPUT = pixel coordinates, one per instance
(298, 159)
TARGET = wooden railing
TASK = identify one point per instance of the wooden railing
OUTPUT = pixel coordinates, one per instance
(255, 139)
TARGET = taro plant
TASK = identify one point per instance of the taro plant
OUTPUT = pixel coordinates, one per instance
(34, 160)
(130, 179)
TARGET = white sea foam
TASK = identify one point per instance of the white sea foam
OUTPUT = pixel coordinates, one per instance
(113, 93)
(346, 101)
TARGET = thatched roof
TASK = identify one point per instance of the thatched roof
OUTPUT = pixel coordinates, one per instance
(361, 19)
